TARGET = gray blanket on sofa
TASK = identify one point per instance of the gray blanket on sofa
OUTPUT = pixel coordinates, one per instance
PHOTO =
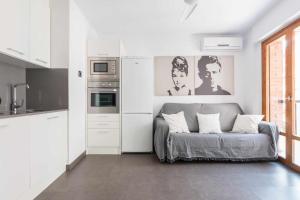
(224, 146)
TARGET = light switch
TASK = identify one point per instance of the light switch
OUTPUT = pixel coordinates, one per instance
(80, 73)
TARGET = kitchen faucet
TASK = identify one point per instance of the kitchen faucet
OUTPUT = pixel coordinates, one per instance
(14, 104)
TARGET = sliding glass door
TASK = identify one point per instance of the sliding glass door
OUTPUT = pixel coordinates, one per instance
(296, 56)
(281, 90)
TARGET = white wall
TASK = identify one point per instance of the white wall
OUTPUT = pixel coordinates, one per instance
(278, 17)
(247, 63)
(77, 85)
(180, 44)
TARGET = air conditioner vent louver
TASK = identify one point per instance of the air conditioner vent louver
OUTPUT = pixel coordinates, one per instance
(222, 43)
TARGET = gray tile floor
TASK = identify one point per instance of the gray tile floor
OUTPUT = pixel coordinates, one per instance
(142, 177)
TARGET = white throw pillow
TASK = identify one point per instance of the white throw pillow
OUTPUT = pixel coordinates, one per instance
(209, 123)
(177, 122)
(247, 123)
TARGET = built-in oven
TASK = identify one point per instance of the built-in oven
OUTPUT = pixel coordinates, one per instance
(103, 97)
(103, 69)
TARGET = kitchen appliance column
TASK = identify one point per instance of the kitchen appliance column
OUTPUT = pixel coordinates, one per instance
(137, 104)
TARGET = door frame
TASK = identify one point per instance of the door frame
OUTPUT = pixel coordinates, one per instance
(288, 31)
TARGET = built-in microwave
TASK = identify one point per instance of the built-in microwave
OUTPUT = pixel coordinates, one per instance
(103, 69)
(103, 97)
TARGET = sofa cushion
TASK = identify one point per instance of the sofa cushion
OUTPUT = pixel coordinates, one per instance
(247, 123)
(209, 123)
(228, 113)
(190, 113)
(177, 122)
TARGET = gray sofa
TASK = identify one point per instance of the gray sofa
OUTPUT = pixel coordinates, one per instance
(224, 146)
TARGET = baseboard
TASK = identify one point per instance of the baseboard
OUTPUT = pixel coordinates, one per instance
(104, 150)
(146, 152)
(76, 161)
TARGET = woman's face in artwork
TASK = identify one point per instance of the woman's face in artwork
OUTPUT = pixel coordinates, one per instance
(179, 78)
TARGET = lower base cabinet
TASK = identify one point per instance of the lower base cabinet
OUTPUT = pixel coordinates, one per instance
(103, 135)
(48, 149)
(14, 158)
(33, 153)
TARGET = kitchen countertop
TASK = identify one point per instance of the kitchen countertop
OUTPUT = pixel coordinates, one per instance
(28, 112)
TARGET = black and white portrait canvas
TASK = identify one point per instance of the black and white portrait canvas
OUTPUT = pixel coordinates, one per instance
(174, 75)
(214, 75)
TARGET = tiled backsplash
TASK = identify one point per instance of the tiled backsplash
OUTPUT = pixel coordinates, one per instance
(48, 89)
(10, 74)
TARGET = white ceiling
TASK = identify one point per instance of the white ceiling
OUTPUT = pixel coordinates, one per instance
(163, 16)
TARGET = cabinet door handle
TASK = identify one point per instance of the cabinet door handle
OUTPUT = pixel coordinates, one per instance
(103, 124)
(41, 61)
(16, 51)
(103, 132)
(102, 54)
(3, 126)
(55, 117)
(223, 45)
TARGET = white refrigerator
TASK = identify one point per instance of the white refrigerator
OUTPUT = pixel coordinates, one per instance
(137, 104)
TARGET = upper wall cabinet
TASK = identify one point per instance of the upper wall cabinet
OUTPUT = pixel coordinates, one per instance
(14, 21)
(104, 47)
(40, 32)
(60, 34)
(25, 32)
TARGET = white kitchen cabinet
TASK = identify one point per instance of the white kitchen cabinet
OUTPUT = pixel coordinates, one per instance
(103, 134)
(40, 32)
(25, 31)
(58, 129)
(104, 47)
(33, 153)
(60, 20)
(14, 158)
(39, 150)
(137, 132)
(14, 22)
(103, 137)
(48, 150)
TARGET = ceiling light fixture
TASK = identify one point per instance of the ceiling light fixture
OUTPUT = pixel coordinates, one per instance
(189, 9)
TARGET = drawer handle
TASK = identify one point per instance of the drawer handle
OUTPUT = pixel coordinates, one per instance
(102, 54)
(4, 126)
(16, 51)
(102, 124)
(223, 45)
(103, 132)
(55, 117)
(41, 61)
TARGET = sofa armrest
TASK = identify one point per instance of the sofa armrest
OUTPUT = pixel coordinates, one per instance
(161, 132)
(269, 128)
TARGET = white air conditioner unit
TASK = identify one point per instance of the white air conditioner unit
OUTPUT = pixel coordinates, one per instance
(222, 43)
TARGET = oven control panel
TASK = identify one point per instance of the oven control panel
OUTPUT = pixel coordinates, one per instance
(103, 84)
